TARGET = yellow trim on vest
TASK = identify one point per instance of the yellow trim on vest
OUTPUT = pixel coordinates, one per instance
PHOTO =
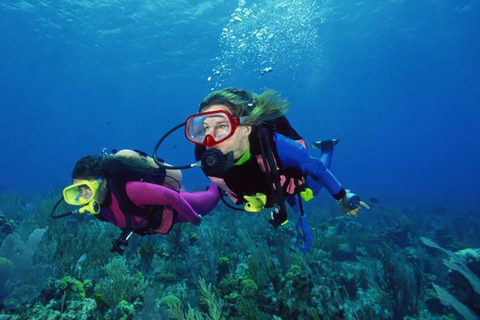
(255, 203)
(307, 194)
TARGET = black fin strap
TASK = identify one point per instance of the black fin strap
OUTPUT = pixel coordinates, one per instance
(300, 204)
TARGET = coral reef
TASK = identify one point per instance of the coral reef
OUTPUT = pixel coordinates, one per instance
(235, 266)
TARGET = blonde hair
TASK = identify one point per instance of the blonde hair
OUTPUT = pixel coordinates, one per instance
(258, 109)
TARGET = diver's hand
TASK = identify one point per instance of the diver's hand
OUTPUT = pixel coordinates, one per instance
(351, 204)
(349, 212)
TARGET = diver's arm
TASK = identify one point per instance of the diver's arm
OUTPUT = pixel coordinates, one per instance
(292, 154)
(145, 194)
(203, 201)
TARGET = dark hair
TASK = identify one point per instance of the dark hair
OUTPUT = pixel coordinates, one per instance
(257, 108)
(95, 167)
(89, 167)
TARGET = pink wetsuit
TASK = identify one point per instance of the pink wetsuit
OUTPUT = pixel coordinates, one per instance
(189, 206)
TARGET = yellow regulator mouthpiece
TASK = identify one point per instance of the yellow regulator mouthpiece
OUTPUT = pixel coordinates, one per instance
(255, 203)
(307, 194)
(92, 207)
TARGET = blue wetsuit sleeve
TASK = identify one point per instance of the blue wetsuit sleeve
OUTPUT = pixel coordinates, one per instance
(292, 154)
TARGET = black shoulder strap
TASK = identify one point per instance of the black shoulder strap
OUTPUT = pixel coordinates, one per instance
(283, 126)
(264, 139)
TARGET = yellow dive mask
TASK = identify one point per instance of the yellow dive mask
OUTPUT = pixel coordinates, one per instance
(81, 193)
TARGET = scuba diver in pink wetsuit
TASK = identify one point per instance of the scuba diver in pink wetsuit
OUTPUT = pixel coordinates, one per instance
(131, 192)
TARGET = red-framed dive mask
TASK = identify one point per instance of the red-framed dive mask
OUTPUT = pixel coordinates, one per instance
(210, 128)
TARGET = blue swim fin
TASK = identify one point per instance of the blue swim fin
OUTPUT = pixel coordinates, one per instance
(325, 145)
(304, 235)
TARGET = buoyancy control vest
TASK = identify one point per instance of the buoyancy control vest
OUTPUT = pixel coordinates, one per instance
(159, 218)
(234, 180)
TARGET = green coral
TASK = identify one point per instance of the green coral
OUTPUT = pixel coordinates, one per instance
(295, 269)
(120, 284)
(226, 285)
(125, 308)
(170, 300)
(223, 266)
(192, 238)
(223, 260)
(147, 252)
(71, 284)
(215, 304)
(248, 288)
(232, 297)
(102, 305)
(296, 293)
(299, 280)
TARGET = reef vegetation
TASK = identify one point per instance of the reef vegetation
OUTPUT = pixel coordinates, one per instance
(390, 263)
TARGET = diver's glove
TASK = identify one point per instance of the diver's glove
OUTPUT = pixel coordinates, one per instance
(351, 204)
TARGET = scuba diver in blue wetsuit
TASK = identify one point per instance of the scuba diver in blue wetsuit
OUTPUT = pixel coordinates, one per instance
(246, 146)
(240, 128)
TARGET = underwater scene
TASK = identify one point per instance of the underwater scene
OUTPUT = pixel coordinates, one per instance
(235, 159)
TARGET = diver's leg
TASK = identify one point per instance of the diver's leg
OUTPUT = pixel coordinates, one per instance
(326, 148)
(292, 201)
(304, 235)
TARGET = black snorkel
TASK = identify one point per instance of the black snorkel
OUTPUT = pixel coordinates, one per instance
(54, 209)
(213, 162)
(161, 163)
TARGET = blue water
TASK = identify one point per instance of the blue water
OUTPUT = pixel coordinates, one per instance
(398, 82)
